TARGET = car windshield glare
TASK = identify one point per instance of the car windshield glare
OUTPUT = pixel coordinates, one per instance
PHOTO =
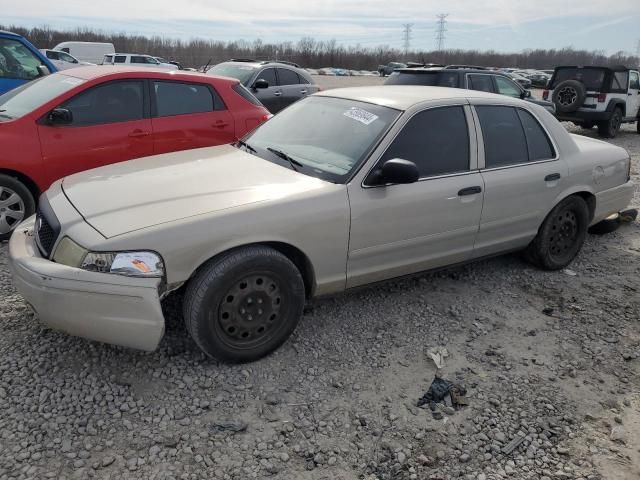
(329, 137)
(241, 72)
(26, 98)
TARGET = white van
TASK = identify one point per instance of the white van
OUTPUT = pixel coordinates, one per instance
(136, 60)
(92, 52)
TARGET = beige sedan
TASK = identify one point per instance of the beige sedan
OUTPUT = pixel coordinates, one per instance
(342, 189)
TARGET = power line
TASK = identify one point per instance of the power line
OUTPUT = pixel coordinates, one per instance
(406, 35)
(441, 28)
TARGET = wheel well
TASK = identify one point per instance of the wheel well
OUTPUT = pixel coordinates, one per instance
(590, 198)
(300, 260)
(30, 184)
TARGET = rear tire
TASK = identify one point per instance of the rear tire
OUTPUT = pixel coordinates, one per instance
(16, 205)
(243, 304)
(561, 235)
(609, 128)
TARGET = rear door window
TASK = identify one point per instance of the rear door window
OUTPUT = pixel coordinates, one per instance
(634, 82)
(120, 59)
(436, 140)
(120, 101)
(483, 83)
(287, 77)
(538, 143)
(176, 98)
(503, 135)
(620, 82)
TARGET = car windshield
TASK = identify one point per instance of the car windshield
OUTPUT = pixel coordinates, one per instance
(592, 78)
(28, 97)
(241, 72)
(323, 137)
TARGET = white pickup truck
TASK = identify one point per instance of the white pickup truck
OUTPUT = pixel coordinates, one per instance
(136, 60)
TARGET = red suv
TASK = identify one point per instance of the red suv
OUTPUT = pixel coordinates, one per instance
(92, 116)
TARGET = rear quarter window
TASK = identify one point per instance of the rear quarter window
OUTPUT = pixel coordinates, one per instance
(246, 94)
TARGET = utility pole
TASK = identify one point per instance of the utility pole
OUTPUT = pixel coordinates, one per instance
(638, 50)
(441, 28)
(406, 36)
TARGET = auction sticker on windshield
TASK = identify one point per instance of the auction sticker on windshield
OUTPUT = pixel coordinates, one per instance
(360, 115)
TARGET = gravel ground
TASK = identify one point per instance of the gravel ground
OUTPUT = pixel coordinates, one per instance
(551, 360)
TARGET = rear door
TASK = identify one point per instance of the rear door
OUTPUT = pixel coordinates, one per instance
(110, 124)
(523, 176)
(270, 97)
(188, 115)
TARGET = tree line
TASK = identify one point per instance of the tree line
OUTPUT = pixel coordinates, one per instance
(312, 53)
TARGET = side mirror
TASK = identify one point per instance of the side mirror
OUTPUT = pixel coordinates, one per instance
(260, 83)
(397, 171)
(60, 116)
(526, 94)
(43, 71)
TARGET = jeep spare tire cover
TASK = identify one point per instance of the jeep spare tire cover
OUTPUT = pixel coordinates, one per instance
(569, 95)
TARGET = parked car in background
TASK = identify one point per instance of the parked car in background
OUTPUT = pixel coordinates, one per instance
(386, 70)
(136, 60)
(90, 52)
(523, 81)
(62, 60)
(308, 205)
(170, 62)
(276, 84)
(92, 116)
(601, 96)
(20, 61)
(328, 71)
(471, 78)
(539, 79)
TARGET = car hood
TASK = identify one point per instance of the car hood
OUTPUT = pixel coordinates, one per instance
(149, 191)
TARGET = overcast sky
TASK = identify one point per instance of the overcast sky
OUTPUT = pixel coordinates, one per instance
(505, 25)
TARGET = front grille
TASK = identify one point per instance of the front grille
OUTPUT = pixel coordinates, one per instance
(45, 234)
(47, 228)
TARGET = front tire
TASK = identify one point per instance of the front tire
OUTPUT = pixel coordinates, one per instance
(561, 235)
(609, 128)
(16, 204)
(243, 304)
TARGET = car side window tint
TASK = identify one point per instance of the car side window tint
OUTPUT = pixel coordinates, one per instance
(507, 87)
(174, 98)
(448, 79)
(268, 74)
(538, 143)
(634, 82)
(503, 135)
(482, 83)
(120, 59)
(287, 77)
(436, 140)
(53, 55)
(109, 103)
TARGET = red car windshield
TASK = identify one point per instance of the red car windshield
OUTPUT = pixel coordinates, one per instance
(26, 98)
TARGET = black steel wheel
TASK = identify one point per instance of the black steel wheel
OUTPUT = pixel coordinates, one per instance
(244, 304)
(609, 128)
(561, 235)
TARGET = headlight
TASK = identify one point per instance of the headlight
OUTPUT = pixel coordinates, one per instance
(131, 264)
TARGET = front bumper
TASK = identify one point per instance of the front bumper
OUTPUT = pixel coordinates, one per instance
(613, 200)
(104, 307)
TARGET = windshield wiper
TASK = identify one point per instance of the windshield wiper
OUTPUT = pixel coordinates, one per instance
(284, 156)
(246, 145)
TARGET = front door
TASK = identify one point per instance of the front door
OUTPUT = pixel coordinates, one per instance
(109, 125)
(633, 98)
(523, 176)
(271, 97)
(188, 115)
(403, 229)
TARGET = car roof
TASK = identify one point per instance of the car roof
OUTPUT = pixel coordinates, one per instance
(617, 68)
(12, 34)
(260, 63)
(484, 71)
(98, 71)
(403, 97)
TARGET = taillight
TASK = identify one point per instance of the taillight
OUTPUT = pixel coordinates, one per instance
(602, 97)
(266, 117)
(545, 95)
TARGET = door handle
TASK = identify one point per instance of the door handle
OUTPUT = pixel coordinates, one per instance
(469, 191)
(138, 133)
(303, 92)
(277, 94)
(552, 177)
(221, 124)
